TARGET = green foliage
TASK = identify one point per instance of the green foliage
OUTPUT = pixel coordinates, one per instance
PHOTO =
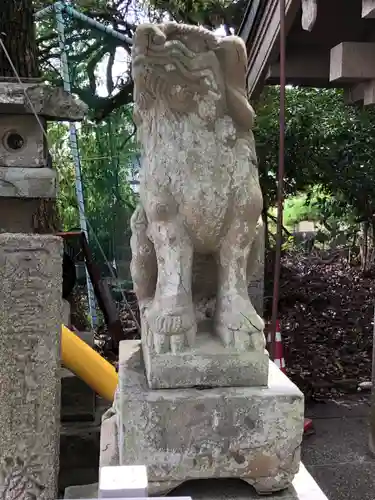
(300, 208)
(107, 151)
(209, 13)
(329, 149)
(91, 51)
(327, 144)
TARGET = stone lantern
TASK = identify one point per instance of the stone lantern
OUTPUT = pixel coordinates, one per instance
(26, 173)
(30, 290)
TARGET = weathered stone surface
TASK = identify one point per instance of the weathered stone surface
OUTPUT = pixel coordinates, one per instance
(17, 214)
(52, 103)
(30, 324)
(200, 199)
(84, 491)
(207, 364)
(66, 317)
(256, 271)
(20, 182)
(249, 433)
(31, 151)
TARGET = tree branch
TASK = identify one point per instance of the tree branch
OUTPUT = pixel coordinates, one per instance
(109, 74)
(107, 105)
(91, 65)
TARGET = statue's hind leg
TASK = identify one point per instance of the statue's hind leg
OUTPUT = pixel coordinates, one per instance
(237, 322)
(171, 318)
(143, 266)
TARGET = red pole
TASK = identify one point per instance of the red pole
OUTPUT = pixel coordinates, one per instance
(280, 184)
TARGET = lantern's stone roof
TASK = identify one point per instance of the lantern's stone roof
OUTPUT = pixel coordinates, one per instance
(52, 103)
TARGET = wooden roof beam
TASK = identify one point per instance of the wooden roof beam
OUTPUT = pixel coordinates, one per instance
(361, 93)
(352, 62)
(303, 66)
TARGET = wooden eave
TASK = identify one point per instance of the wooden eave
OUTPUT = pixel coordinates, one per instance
(313, 55)
(260, 30)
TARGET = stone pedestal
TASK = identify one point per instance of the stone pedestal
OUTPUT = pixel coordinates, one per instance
(30, 325)
(207, 364)
(250, 433)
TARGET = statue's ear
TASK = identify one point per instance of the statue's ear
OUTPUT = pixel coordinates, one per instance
(148, 33)
(231, 54)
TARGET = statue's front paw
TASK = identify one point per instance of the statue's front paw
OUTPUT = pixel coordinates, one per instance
(244, 340)
(239, 325)
(172, 332)
(169, 343)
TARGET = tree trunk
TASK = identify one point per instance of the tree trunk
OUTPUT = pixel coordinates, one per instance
(17, 31)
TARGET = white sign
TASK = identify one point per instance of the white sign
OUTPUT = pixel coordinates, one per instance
(123, 481)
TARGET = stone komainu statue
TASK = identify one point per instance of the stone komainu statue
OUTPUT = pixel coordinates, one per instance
(200, 199)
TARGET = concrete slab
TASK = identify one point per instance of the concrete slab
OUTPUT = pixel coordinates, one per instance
(348, 481)
(50, 102)
(337, 454)
(84, 491)
(304, 488)
(352, 406)
(337, 441)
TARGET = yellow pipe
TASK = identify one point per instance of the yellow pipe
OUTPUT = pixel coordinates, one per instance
(88, 365)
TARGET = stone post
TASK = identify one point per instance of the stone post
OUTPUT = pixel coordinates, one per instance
(30, 323)
(30, 265)
(31, 307)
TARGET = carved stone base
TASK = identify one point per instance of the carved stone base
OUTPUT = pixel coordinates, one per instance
(208, 364)
(251, 433)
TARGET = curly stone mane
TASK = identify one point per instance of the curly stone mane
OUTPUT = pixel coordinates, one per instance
(180, 66)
